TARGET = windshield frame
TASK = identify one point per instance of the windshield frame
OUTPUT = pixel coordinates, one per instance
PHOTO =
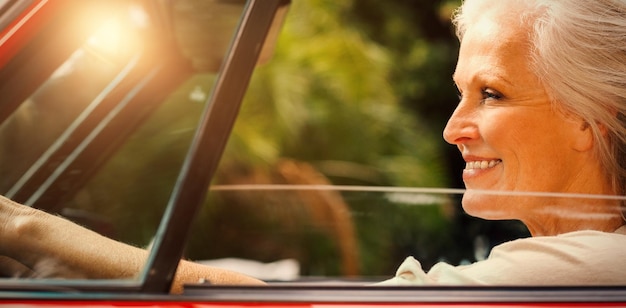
(209, 142)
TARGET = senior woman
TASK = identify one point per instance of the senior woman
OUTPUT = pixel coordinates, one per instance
(542, 109)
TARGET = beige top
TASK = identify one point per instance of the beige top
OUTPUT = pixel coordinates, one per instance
(575, 258)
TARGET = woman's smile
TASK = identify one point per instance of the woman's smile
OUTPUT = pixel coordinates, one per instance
(478, 167)
(481, 164)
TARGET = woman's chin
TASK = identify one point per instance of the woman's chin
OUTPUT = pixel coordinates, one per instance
(487, 206)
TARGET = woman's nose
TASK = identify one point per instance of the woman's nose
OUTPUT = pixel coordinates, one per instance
(461, 126)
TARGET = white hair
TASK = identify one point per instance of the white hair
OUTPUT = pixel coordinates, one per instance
(578, 51)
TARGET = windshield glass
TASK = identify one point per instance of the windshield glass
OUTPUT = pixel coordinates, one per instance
(102, 139)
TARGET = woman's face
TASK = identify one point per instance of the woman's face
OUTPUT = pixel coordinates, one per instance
(505, 127)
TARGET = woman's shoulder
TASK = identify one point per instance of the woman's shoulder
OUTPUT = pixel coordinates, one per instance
(583, 257)
(584, 241)
(581, 249)
(579, 258)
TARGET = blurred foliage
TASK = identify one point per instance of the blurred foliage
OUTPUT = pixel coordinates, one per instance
(333, 96)
(359, 90)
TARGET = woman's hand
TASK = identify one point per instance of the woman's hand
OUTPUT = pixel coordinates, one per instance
(45, 243)
(10, 268)
(16, 228)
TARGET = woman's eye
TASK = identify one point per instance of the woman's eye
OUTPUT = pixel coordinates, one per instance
(490, 94)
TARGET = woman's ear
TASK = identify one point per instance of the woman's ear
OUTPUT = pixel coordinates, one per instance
(585, 136)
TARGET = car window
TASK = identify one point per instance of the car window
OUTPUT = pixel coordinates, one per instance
(306, 232)
(321, 234)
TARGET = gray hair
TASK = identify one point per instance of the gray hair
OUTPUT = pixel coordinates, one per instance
(578, 51)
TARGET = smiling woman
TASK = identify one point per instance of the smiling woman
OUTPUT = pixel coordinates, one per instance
(527, 123)
(511, 136)
(525, 136)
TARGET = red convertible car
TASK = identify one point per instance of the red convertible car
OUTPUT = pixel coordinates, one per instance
(119, 115)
